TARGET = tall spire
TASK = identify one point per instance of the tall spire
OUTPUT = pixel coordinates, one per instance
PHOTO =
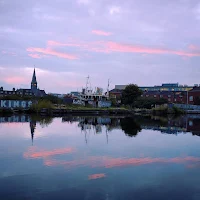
(34, 82)
(34, 77)
(32, 127)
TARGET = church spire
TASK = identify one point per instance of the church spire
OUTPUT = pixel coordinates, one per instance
(34, 82)
(32, 127)
(34, 77)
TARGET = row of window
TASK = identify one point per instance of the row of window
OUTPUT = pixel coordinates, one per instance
(11, 93)
(160, 96)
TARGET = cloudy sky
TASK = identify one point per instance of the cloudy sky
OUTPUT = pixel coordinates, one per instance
(146, 42)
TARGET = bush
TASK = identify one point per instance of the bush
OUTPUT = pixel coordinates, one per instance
(177, 111)
(161, 110)
(36, 107)
(148, 103)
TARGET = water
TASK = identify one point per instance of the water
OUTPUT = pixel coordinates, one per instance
(100, 158)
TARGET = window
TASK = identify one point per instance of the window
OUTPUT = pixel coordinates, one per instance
(154, 96)
(147, 95)
(175, 100)
(169, 95)
(169, 99)
(161, 96)
(191, 98)
(190, 123)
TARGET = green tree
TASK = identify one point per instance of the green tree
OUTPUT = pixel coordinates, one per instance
(130, 94)
(130, 126)
(148, 102)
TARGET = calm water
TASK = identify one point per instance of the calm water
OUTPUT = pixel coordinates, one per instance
(100, 158)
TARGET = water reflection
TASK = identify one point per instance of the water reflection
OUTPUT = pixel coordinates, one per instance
(121, 158)
(131, 126)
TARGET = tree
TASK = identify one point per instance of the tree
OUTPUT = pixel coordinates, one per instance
(130, 126)
(130, 94)
(148, 102)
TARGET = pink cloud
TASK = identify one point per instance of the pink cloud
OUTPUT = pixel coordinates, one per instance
(48, 51)
(99, 32)
(107, 162)
(111, 47)
(127, 48)
(96, 176)
(14, 80)
(194, 47)
(44, 154)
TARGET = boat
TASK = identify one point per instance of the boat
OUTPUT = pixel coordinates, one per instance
(96, 98)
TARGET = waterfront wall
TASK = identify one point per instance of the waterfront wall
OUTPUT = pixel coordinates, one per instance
(104, 104)
(185, 106)
(15, 104)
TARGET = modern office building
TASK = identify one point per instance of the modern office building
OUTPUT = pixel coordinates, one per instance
(164, 87)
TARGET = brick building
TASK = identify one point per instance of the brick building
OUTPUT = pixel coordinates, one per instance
(172, 97)
(194, 96)
(115, 93)
(173, 92)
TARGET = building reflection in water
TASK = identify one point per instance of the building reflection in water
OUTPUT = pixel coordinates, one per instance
(32, 127)
(32, 120)
(130, 125)
(133, 125)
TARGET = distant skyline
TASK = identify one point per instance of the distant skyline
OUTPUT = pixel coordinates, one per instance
(134, 41)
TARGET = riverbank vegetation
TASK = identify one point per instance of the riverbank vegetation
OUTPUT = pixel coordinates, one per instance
(131, 102)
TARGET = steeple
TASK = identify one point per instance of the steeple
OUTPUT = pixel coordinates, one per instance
(34, 82)
(32, 127)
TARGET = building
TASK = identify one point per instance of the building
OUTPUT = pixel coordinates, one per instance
(57, 95)
(115, 93)
(171, 96)
(76, 94)
(4, 93)
(173, 92)
(194, 96)
(34, 91)
(164, 87)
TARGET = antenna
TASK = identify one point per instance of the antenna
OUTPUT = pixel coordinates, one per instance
(108, 87)
(87, 81)
(107, 135)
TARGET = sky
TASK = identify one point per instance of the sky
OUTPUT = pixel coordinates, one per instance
(134, 41)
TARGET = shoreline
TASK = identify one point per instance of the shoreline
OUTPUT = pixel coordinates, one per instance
(94, 111)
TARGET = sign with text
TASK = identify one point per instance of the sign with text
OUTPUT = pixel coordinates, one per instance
(15, 104)
(17, 118)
